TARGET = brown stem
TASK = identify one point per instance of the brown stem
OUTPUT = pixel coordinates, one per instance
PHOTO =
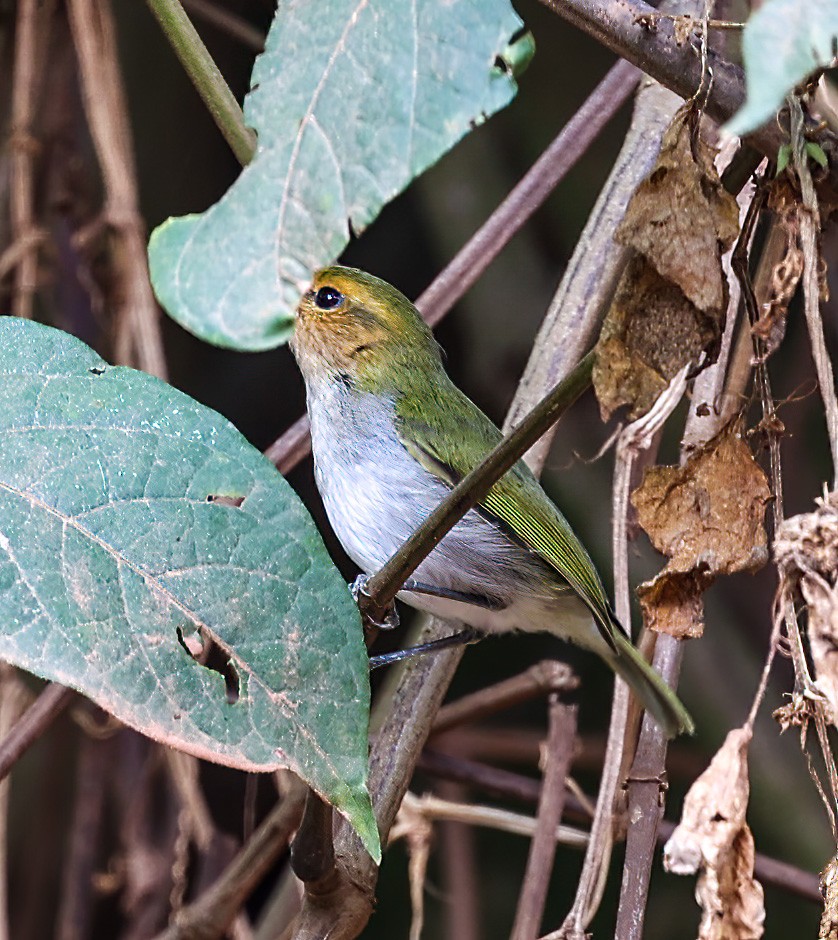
(547, 676)
(77, 894)
(35, 722)
(506, 784)
(312, 851)
(646, 787)
(139, 341)
(559, 751)
(209, 916)
(23, 149)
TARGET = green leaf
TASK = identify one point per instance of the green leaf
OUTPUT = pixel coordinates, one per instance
(785, 41)
(134, 525)
(351, 99)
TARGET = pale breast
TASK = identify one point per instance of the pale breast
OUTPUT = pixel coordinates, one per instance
(376, 494)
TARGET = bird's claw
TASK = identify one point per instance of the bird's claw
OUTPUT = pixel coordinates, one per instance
(358, 589)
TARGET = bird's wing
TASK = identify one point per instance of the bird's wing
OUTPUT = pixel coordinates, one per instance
(451, 441)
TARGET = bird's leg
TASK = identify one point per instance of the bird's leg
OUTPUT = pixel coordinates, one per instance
(476, 600)
(462, 638)
(391, 615)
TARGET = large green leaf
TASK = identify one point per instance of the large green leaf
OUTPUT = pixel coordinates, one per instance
(134, 525)
(785, 41)
(351, 99)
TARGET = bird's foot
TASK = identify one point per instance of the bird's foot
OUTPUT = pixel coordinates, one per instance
(358, 589)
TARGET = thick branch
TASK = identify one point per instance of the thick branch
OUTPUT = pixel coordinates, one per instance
(638, 33)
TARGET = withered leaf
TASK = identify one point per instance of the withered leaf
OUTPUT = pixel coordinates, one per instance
(714, 840)
(681, 218)
(829, 890)
(650, 333)
(806, 551)
(707, 516)
(670, 302)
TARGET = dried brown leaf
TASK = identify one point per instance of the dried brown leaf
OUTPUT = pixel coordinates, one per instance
(829, 890)
(651, 332)
(670, 303)
(682, 219)
(707, 516)
(714, 839)
(806, 552)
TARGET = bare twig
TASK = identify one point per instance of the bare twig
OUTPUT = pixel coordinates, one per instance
(77, 894)
(509, 785)
(558, 753)
(206, 77)
(13, 699)
(488, 241)
(809, 227)
(547, 676)
(208, 917)
(34, 722)
(633, 441)
(488, 817)
(139, 340)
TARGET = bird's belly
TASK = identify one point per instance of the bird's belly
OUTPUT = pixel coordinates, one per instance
(374, 506)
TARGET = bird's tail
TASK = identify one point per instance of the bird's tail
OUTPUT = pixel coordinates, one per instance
(654, 694)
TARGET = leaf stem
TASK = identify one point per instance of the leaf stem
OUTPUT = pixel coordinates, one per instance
(383, 586)
(206, 77)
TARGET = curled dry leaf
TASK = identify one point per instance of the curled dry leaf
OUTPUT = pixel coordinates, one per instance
(806, 553)
(714, 839)
(669, 305)
(707, 516)
(829, 890)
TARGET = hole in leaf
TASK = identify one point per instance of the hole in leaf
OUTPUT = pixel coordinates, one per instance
(234, 501)
(207, 653)
(96, 370)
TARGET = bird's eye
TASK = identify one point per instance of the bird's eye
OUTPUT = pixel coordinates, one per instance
(327, 298)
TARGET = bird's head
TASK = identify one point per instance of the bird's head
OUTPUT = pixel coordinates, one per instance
(356, 326)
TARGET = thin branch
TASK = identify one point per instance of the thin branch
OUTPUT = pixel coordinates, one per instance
(94, 36)
(568, 147)
(488, 817)
(13, 700)
(646, 786)
(75, 912)
(23, 149)
(505, 784)
(206, 77)
(383, 586)
(558, 754)
(35, 721)
(545, 677)
(209, 916)
(541, 179)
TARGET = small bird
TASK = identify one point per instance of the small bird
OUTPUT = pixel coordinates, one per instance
(391, 435)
